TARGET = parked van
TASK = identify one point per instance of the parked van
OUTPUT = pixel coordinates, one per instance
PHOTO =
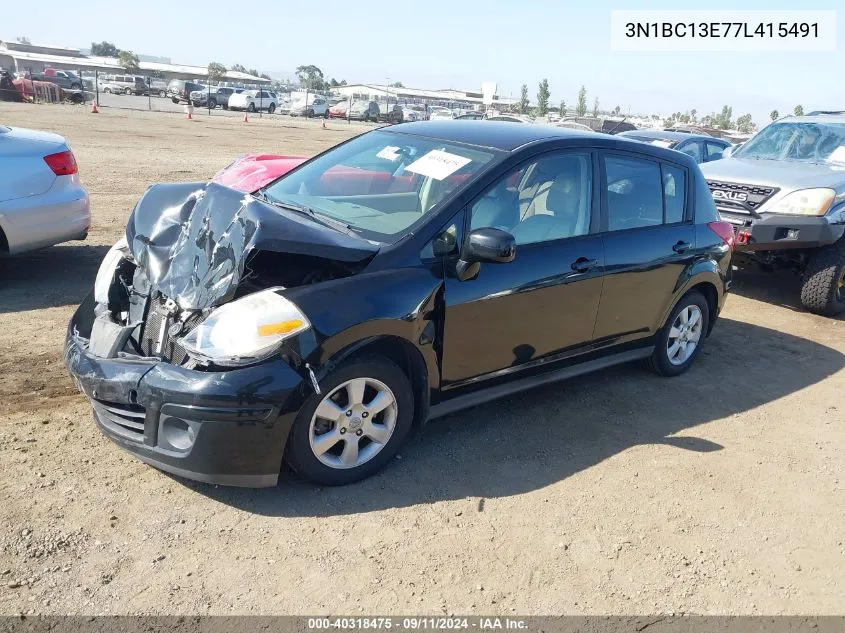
(122, 84)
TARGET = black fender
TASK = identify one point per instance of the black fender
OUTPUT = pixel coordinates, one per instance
(702, 270)
(351, 313)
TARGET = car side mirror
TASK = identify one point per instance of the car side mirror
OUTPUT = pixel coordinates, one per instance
(484, 245)
(729, 150)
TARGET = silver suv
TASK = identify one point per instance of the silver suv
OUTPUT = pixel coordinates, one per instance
(784, 192)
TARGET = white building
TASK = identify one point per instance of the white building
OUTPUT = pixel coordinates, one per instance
(448, 98)
(33, 58)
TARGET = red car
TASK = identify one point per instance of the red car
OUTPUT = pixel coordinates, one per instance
(252, 171)
(339, 110)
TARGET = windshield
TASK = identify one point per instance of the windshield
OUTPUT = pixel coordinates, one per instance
(806, 142)
(381, 183)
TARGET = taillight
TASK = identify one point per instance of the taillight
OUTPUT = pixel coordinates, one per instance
(62, 164)
(725, 231)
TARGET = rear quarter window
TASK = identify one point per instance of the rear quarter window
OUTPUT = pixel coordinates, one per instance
(705, 208)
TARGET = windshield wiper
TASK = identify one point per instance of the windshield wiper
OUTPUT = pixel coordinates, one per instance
(307, 211)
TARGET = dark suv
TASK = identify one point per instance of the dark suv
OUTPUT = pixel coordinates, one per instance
(407, 273)
(180, 91)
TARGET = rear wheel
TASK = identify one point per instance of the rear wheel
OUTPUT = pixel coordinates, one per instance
(212, 104)
(162, 94)
(679, 341)
(271, 108)
(355, 426)
(823, 289)
(127, 91)
(310, 114)
(251, 107)
(107, 91)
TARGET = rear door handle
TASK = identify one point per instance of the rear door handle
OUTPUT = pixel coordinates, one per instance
(681, 247)
(583, 264)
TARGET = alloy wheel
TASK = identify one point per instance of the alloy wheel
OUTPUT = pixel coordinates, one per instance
(353, 423)
(684, 335)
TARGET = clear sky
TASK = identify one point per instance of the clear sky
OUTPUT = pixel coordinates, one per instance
(453, 43)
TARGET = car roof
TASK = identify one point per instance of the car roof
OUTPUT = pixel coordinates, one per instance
(814, 118)
(502, 135)
(667, 135)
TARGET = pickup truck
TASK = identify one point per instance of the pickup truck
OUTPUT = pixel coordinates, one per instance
(216, 96)
(63, 78)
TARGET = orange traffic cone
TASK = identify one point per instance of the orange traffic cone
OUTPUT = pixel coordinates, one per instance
(246, 118)
(94, 109)
(189, 110)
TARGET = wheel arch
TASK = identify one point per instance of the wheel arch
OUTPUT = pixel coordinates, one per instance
(405, 355)
(706, 279)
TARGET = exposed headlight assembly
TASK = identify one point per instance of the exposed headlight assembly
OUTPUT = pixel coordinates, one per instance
(105, 275)
(246, 330)
(805, 202)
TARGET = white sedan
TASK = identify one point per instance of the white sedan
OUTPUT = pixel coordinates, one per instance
(41, 199)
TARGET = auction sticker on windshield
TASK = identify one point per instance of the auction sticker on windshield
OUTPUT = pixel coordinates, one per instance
(838, 155)
(389, 153)
(660, 143)
(438, 164)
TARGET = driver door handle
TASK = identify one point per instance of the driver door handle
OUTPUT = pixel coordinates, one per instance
(583, 264)
(681, 247)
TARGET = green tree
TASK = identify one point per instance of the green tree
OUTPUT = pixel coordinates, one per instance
(774, 115)
(216, 71)
(724, 120)
(252, 72)
(562, 108)
(104, 49)
(596, 107)
(543, 98)
(798, 111)
(396, 84)
(617, 110)
(743, 123)
(265, 76)
(128, 60)
(23, 40)
(522, 107)
(693, 114)
(581, 108)
(311, 77)
(240, 68)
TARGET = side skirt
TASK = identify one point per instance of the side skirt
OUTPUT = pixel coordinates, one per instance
(500, 391)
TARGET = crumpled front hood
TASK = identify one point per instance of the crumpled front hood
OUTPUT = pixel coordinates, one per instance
(774, 173)
(193, 240)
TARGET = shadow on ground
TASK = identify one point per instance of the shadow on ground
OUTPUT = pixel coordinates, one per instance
(777, 287)
(53, 277)
(526, 442)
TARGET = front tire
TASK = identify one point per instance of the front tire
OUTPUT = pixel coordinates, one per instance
(679, 340)
(823, 288)
(271, 108)
(354, 427)
(127, 91)
(251, 107)
(162, 94)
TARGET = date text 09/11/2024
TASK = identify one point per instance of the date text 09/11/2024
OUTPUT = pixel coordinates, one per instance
(422, 623)
(780, 30)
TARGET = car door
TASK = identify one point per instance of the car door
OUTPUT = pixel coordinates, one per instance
(713, 150)
(542, 305)
(692, 148)
(649, 240)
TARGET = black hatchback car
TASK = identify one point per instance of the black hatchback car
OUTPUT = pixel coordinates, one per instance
(404, 274)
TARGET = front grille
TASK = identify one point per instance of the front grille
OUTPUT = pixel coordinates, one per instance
(156, 328)
(125, 419)
(732, 196)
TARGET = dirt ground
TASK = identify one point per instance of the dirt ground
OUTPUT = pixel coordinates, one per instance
(717, 492)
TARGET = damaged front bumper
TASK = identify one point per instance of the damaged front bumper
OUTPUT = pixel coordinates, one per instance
(224, 427)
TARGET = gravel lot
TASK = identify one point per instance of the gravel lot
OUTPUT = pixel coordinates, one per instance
(718, 492)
